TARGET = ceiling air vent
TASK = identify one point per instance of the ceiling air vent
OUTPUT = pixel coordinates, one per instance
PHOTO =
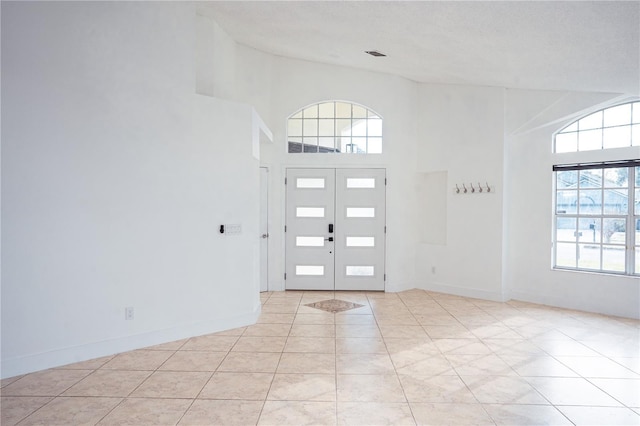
(374, 53)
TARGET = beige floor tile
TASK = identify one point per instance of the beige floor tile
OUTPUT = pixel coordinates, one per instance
(91, 364)
(298, 413)
(172, 384)
(479, 365)
(313, 330)
(402, 331)
(244, 386)
(45, 383)
(370, 388)
(111, 383)
(303, 387)
(260, 344)
(627, 391)
(321, 318)
(9, 380)
(597, 367)
(279, 309)
(358, 330)
(193, 361)
(374, 413)
(310, 344)
(411, 345)
(632, 363)
(210, 342)
(513, 347)
(264, 330)
(364, 364)
(276, 318)
(72, 411)
(354, 345)
(503, 390)
(599, 416)
(250, 362)
(141, 360)
(571, 391)
(421, 364)
(355, 319)
(462, 346)
(443, 388)
(239, 331)
(144, 411)
(509, 415)
(448, 332)
(450, 414)
(565, 348)
(397, 320)
(216, 412)
(313, 363)
(442, 318)
(15, 408)
(535, 365)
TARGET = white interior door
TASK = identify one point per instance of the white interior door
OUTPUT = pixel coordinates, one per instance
(309, 217)
(360, 229)
(335, 229)
(264, 229)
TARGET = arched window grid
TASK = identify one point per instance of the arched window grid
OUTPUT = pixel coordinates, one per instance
(335, 127)
(614, 127)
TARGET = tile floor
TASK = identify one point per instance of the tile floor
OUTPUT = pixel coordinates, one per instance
(402, 358)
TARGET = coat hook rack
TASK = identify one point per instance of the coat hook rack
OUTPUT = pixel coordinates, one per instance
(472, 189)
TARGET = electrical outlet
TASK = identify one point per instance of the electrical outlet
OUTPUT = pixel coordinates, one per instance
(128, 313)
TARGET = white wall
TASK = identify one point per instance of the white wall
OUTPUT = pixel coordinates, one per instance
(461, 133)
(529, 159)
(115, 178)
(292, 84)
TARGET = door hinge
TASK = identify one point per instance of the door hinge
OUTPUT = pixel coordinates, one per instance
(385, 277)
(285, 228)
(285, 181)
(385, 229)
(285, 276)
(385, 181)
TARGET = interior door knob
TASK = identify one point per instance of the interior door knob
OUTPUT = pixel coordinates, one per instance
(265, 235)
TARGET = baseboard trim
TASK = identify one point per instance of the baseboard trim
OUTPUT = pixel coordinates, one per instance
(27, 364)
(463, 291)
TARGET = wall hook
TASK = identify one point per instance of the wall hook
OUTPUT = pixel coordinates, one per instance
(479, 187)
(488, 187)
(472, 188)
(465, 188)
(457, 189)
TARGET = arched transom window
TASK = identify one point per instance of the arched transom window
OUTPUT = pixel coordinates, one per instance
(335, 126)
(615, 127)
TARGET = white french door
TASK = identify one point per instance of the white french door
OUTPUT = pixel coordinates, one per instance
(335, 229)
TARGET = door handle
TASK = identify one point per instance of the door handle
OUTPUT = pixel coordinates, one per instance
(329, 239)
(265, 235)
(331, 228)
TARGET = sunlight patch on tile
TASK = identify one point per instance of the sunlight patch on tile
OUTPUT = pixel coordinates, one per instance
(334, 305)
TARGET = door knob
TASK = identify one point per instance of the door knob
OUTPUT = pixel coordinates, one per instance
(265, 235)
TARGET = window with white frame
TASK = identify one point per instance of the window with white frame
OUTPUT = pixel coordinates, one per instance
(615, 127)
(597, 217)
(335, 127)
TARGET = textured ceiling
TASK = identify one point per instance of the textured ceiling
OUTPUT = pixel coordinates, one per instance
(575, 45)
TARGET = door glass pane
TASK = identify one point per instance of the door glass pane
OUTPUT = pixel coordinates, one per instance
(309, 211)
(361, 241)
(613, 258)
(353, 183)
(309, 241)
(310, 183)
(589, 256)
(309, 270)
(361, 212)
(360, 271)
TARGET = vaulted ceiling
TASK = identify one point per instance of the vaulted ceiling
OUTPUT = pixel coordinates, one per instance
(555, 45)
